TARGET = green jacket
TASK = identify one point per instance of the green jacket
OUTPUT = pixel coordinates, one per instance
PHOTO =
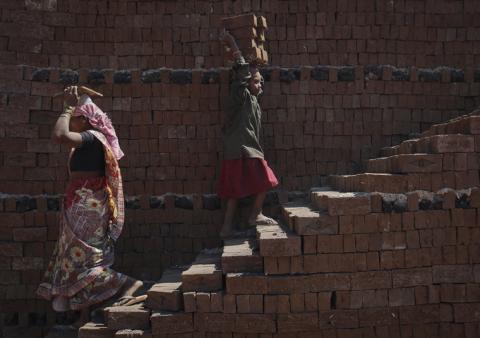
(244, 117)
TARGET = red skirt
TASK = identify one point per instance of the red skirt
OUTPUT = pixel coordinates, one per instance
(244, 177)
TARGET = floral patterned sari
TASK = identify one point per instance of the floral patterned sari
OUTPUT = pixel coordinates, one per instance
(91, 219)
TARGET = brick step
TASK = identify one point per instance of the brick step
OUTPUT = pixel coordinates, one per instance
(467, 124)
(167, 293)
(135, 317)
(406, 163)
(423, 163)
(275, 241)
(95, 330)
(204, 274)
(303, 220)
(133, 334)
(399, 183)
(433, 144)
(337, 203)
(241, 255)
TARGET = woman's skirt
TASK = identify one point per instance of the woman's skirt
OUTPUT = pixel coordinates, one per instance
(79, 272)
(244, 177)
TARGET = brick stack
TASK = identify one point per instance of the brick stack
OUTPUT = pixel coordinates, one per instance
(328, 119)
(344, 264)
(183, 34)
(249, 32)
(444, 156)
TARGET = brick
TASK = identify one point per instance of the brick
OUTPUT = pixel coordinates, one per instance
(329, 243)
(452, 274)
(297, 302)
(229, 304)
(309, 244)
(309, 222)
(247, 20)
(412, 277)
(203, 275)
(202, 301)
(274, 241)
(30, 234)
(270, 304)
(216, 302)
(11, 249)
(344, 203)
(27, 263)
(128, 317)
(297, 322)
(401, 297)
(453, 293)
(324, 300)
(189, 301)
(338, 319)
(377, 317)
(371, 280)
(95, 330)
(465, 313)
(425, 314)
(133, 334)
(255, 323)
(451, 143)
(168, 323)
(166, 295)
(239, 255)
(245, 283)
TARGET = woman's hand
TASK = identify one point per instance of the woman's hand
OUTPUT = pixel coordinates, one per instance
(70, 96)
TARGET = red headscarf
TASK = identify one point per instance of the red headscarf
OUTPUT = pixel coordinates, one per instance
(100, 121)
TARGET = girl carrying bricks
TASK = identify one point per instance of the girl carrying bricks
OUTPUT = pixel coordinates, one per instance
(92, 215)
(244, 170)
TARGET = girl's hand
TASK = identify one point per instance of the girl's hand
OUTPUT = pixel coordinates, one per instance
(228, 39)
(70, 96)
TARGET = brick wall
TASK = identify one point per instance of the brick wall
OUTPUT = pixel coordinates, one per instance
(317, 121)
(159, 232)
(388, 69)
(183, 34)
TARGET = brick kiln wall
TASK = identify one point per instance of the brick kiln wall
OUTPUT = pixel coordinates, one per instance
(389, 69)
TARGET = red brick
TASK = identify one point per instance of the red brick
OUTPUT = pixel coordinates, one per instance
(452, 274)
(243, 283)
(309, 244)
(425, 314)
(95, 330)
(401, 297)
(163, 323)
(371, 280)
(329, 244)
(127, 317)
(412, 277)
(297, 322)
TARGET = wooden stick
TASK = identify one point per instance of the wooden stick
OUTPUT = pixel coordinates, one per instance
(83, 90)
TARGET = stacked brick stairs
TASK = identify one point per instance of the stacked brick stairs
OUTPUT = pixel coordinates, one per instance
(390, 253)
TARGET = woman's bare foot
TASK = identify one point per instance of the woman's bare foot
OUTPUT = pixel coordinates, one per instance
(131, 287)
(129, 294)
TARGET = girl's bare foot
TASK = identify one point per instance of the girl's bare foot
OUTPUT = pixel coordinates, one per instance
(261, 219)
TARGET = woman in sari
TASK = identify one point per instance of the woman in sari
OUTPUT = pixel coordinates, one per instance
(92, 215)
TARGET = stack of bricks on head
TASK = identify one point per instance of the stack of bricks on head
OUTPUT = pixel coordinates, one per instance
(249, 33)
